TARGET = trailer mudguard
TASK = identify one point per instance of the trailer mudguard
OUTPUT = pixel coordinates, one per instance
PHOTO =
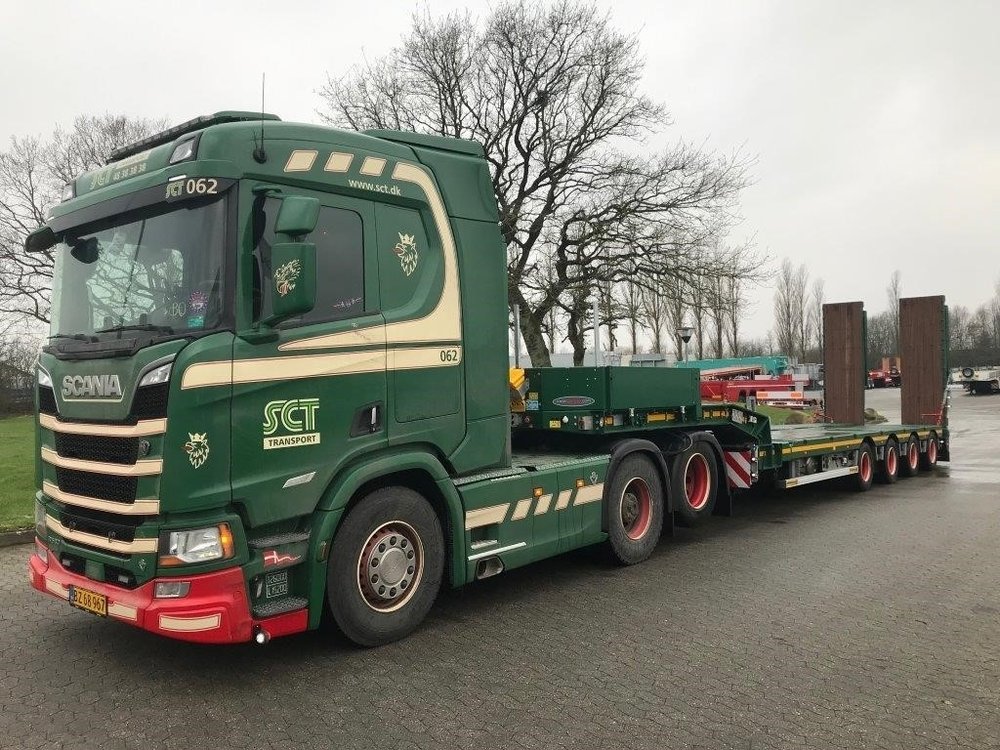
(333, 505)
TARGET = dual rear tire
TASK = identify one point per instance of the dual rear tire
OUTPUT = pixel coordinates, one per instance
(636, 501)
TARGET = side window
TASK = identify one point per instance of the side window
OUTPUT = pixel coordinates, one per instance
(340, 277)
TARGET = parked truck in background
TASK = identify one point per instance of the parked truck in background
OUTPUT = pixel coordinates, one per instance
(276, 388)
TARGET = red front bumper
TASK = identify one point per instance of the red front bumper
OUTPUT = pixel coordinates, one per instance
(215, 610)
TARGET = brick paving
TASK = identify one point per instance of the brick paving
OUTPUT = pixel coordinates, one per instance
(814, 619)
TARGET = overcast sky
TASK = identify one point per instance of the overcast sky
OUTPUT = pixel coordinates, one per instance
(874, 125)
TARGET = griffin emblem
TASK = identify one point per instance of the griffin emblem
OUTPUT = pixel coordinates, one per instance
(406, 249)
(197, 448)
(286, 275)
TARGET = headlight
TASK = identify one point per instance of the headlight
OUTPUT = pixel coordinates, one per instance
(157, 375)
(44, 378)
(197, 545)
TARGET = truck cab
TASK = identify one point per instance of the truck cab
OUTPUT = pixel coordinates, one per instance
(255, 323)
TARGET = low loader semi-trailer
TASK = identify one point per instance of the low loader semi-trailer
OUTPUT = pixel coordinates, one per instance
(276, 389)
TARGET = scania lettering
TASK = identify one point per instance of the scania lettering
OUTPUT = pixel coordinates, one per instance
(277, 387)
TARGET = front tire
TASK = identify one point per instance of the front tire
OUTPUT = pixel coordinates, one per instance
(634, 508)
(385, 566)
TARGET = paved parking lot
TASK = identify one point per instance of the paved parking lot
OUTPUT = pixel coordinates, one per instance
(817, 619)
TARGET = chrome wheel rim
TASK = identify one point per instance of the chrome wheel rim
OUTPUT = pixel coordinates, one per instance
(390, 566)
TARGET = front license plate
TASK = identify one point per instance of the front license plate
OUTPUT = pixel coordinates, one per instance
(276, 584)
(89, 600)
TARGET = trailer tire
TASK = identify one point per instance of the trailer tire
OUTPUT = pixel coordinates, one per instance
(866, 468)
(634, 510)
(889, 468)
(910, 455)
(397, 528)
(929, 458)
(695, 482)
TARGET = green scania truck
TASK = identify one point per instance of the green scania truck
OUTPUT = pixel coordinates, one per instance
(277, 389)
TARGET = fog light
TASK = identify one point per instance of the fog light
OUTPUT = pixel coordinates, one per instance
(171, 589)
(43, 554)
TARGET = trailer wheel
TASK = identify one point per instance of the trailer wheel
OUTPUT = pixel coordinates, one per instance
(634, 510)
(928, 459)
(910, 455)
(695, 483)
(889, 468)
(866, 468)
(385, 566)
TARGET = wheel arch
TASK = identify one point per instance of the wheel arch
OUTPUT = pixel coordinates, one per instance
(416, 469)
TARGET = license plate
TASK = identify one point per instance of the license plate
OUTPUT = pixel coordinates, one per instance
(276, 584)
(89, 600)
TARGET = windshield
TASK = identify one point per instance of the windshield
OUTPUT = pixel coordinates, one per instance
(159, 270)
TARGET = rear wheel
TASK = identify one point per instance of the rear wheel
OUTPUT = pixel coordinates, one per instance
(928, 459)
(889, 468)
(695, 483)
(866, 468)
(909, 457)
(634, 509)
(385, 566)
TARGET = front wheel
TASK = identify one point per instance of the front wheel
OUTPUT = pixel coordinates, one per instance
(695, 483)
(634, 510)
(385, 566)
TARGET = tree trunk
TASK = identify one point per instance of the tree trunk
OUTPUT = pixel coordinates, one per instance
(534, 341)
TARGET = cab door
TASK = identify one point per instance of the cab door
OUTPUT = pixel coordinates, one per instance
(309, 394)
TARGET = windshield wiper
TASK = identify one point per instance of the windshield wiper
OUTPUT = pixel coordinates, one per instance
(137, 327)
(73, 336)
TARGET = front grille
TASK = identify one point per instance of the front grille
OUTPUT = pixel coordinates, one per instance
(47, 401)
(112, 450)
(100, 524)
(100, 486)
(150, 402)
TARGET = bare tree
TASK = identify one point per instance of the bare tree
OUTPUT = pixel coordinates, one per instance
(552, 92)
(735, 309)
(18, 354)
(816, 299)
(632, 310)
(893, 292)
(32, 174)
(654, 310)
(790, 318)
(715, 311)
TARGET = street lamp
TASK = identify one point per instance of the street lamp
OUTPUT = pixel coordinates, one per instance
(685, 332)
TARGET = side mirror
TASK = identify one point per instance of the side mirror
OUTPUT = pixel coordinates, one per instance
(86, 251)
(297, 216)
(294, 279)
(40, 240)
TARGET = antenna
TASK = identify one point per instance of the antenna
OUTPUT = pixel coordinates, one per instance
(259, 154)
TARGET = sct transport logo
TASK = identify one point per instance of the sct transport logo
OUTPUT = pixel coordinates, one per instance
(295, 419)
